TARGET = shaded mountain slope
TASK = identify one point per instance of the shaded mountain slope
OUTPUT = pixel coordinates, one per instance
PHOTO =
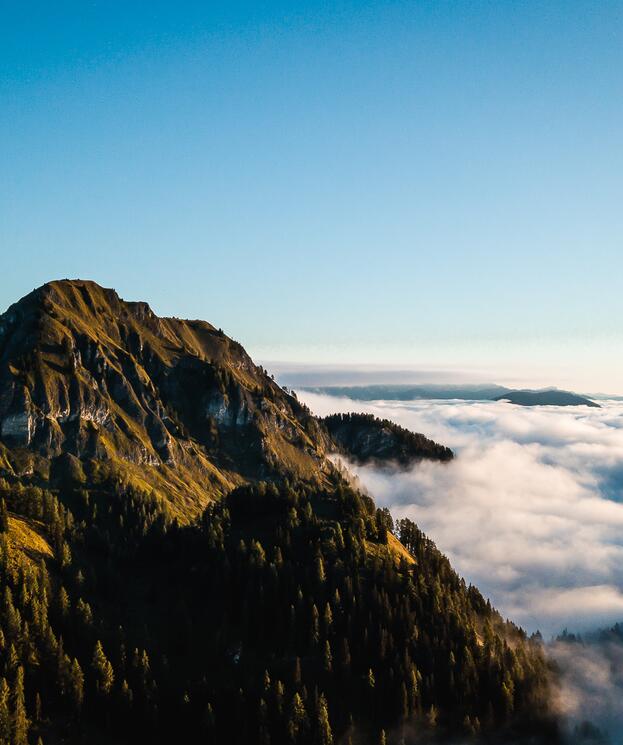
(366, 438)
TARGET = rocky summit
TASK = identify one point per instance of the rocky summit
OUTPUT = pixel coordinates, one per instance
(173, 404)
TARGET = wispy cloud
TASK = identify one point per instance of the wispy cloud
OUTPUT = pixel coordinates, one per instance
(530, 510)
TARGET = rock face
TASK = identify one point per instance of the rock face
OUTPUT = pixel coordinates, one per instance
(17, 428)
(84, 373)
(366, 438)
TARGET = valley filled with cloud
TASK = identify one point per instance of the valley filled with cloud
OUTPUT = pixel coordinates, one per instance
(530, 510)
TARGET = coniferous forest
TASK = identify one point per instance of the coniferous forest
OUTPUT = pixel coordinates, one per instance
(282, 615)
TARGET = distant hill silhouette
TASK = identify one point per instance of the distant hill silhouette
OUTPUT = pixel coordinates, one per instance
(552, 397)
(391, 392)
(476, 392)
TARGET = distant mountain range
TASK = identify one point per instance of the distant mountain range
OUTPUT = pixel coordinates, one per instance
(549, 397)
(483, 392)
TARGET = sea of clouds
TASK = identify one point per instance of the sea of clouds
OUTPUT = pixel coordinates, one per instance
(531, 509)
(531, 512)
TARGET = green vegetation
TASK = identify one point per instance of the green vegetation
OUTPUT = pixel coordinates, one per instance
(366, 438)
(170, 405)
(282, 615)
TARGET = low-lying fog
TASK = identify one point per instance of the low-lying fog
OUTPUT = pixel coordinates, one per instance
(531, 511)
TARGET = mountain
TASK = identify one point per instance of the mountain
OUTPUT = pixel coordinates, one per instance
(174, 407)
(180, 560)
(543, 397)
(548, 397)
(368, 439)
(391, 392)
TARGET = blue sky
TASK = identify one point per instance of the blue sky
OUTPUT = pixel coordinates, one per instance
(423, 183)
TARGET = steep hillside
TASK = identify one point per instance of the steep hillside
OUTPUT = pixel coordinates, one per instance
(180, 562)
(366, 438)
(167, 405)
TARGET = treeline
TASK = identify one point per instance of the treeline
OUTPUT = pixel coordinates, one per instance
(365, 438)
(282, 616)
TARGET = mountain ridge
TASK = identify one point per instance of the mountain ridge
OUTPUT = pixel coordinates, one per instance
(546, 397)
(159, 393)
(480, 392)
(369, 439)
(180, 559)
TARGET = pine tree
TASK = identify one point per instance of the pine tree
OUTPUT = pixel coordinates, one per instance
(315, 627)
(262, 720)
(323, 733)
(403, 703)
(327, 618)
(19, 720)
(11, 617)
(371, 679)
(76, 684)
(5, 717)
(296, 675)
(208, 719)
(4, 517)
(432, 715)
(344, 650)
(320, 572)
(102, 670)
(63, 602)
(298, 723)
(327, 660)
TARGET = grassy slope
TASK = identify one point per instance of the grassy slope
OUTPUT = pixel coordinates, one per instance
(64, 324)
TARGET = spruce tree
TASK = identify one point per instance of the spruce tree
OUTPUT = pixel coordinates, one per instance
(19, 720)
(102, 670)
(5, 716)
(298, 722)
(4, 517)
(323, 733)
(76, 684)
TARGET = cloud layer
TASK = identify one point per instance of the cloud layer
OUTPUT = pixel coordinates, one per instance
(531, 509)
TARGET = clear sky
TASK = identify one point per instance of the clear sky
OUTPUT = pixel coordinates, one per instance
(400, 183)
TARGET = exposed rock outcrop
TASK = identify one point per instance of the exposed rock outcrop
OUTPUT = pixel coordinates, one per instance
(84, 372)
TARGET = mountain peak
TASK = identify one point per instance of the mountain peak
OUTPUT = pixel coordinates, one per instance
(85, 373)
(69, 293)
(79, 301)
